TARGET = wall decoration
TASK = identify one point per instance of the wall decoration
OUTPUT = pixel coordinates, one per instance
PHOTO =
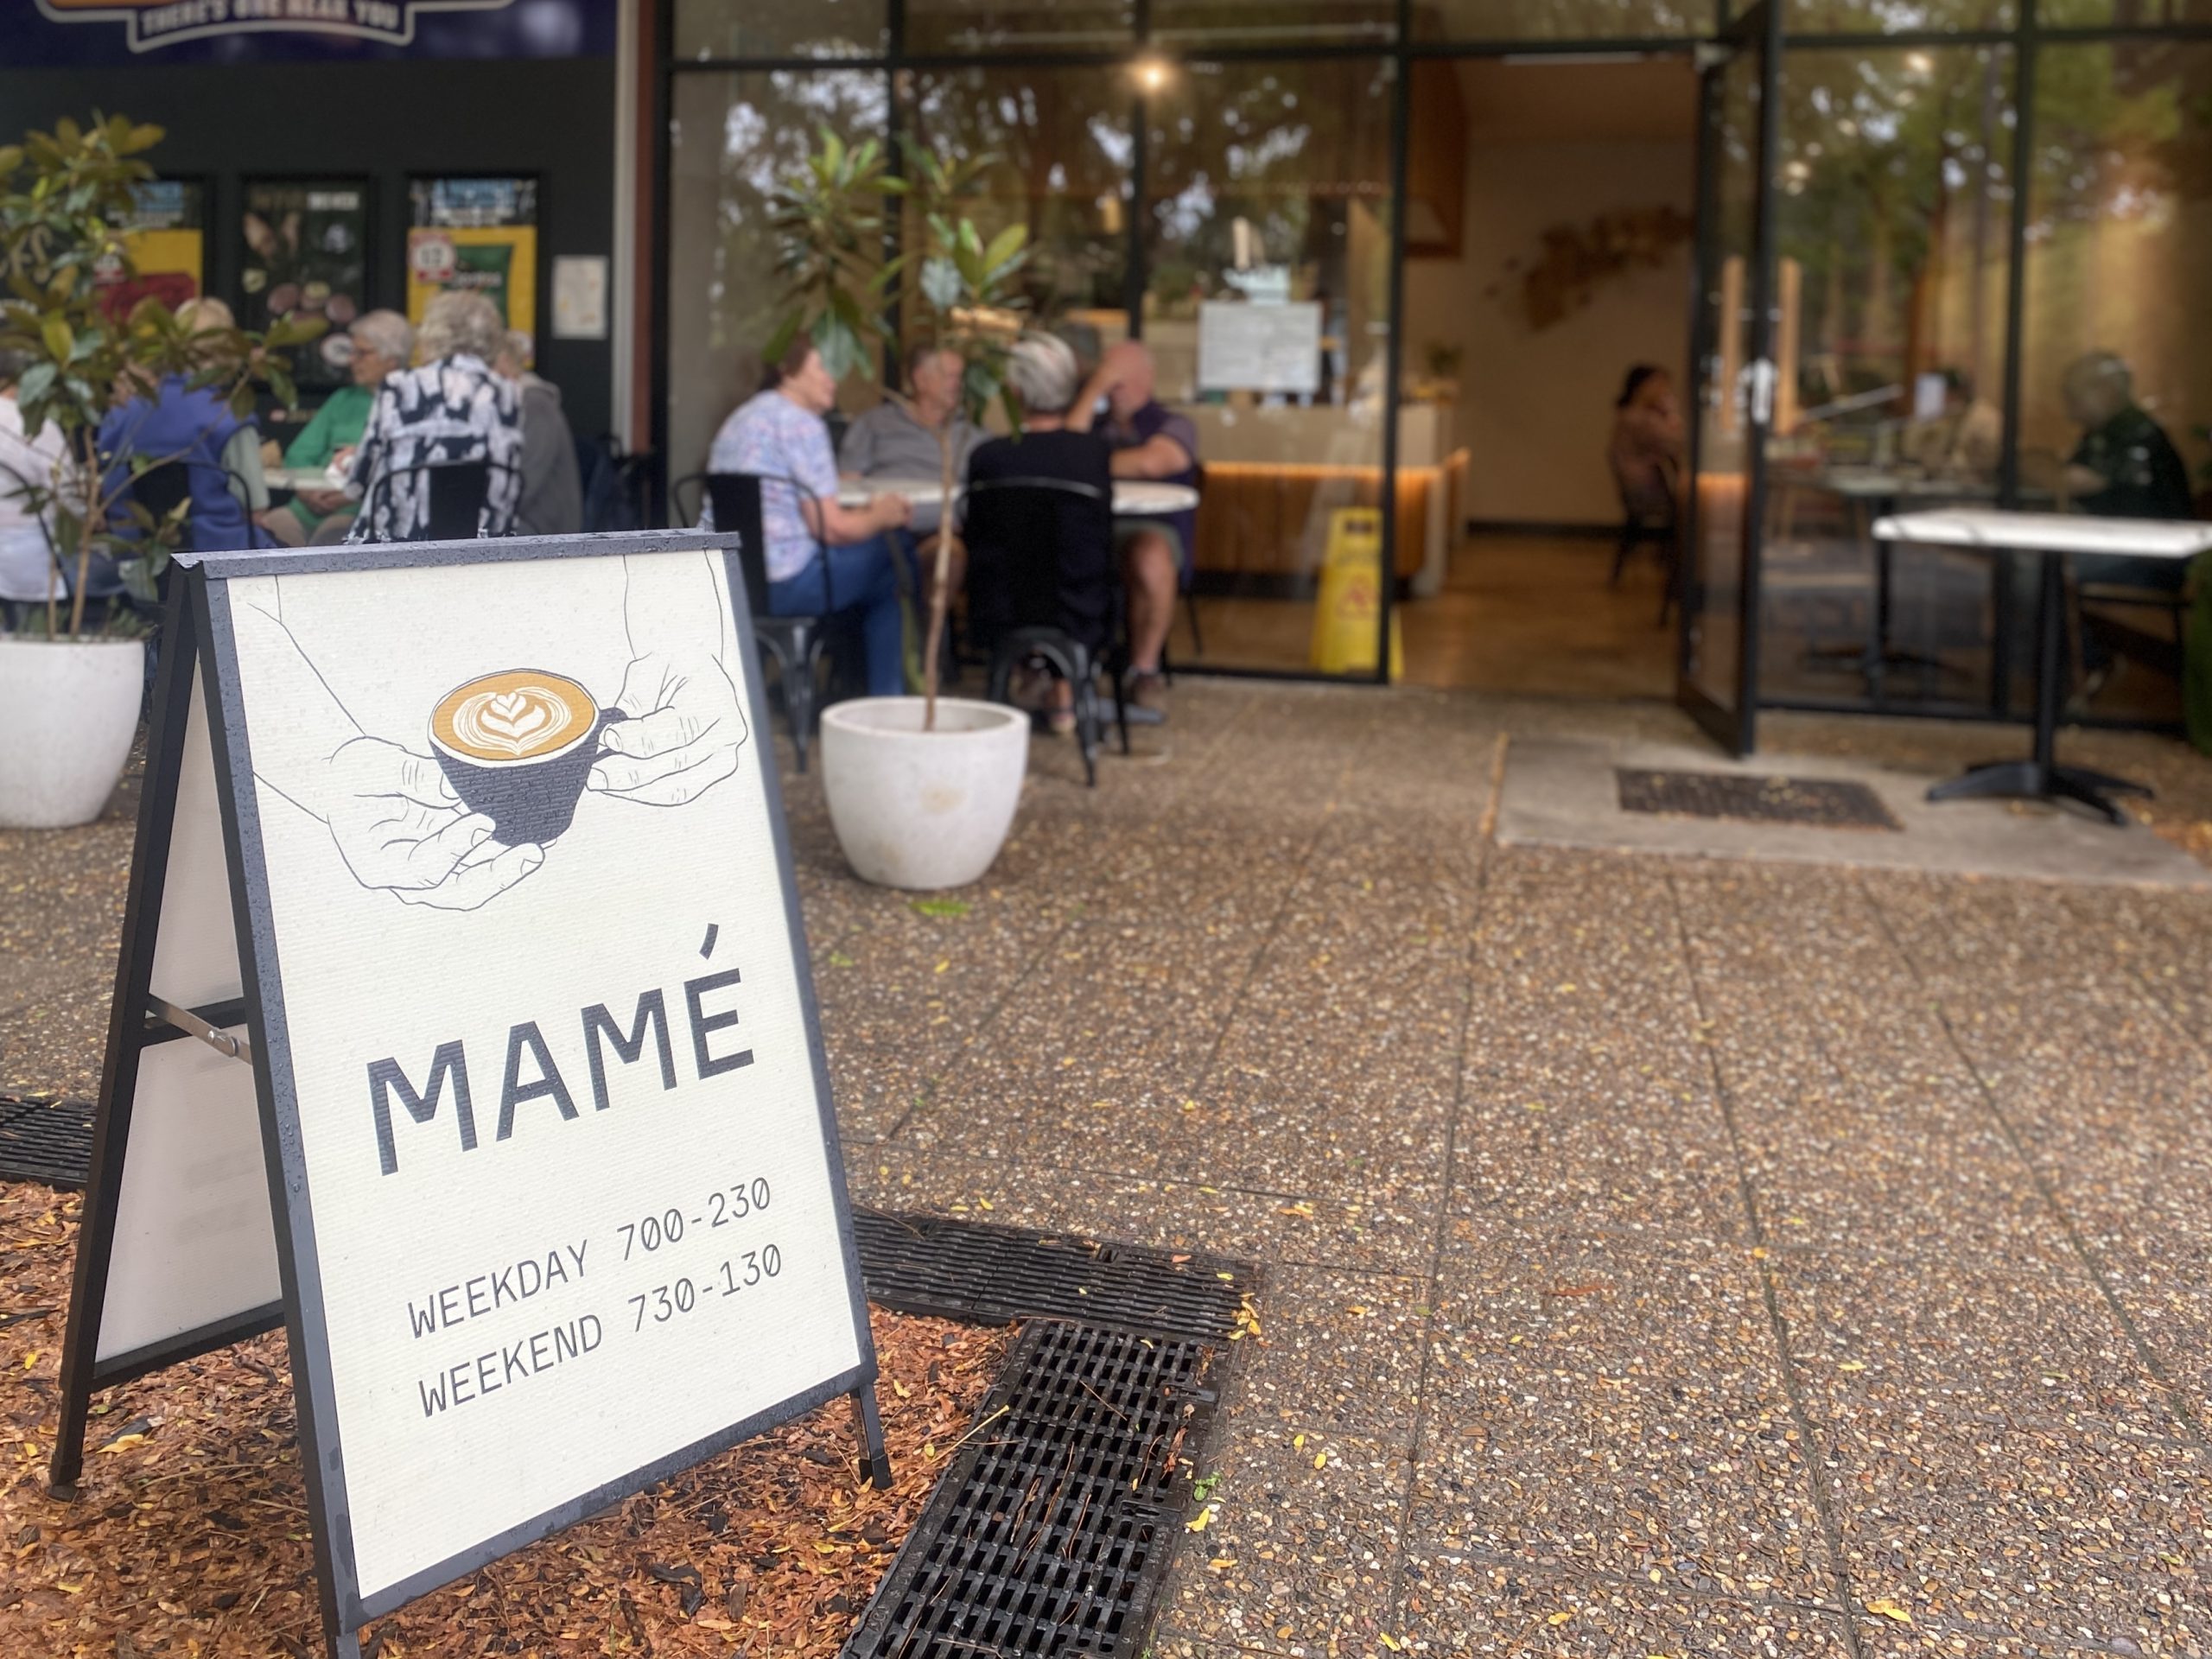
(1577, 258)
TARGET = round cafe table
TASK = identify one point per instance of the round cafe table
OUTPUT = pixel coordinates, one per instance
(293, 480)
(1134, 498)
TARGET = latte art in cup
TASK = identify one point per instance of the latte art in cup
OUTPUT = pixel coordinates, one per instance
(523, 714)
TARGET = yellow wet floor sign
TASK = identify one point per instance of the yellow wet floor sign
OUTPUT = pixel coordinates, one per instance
(1351, 592)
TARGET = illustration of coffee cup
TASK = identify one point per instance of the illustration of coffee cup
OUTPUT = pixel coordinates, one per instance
(517, 746)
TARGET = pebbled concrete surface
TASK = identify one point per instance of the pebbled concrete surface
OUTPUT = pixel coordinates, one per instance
(1664, 1255)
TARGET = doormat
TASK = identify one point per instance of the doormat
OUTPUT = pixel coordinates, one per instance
(1817, 803)
(46, 1141)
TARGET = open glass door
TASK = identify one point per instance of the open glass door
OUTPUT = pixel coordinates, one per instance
(1733, 353)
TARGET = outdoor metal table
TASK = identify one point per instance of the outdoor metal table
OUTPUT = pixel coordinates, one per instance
(296, 479)
(2051, 536)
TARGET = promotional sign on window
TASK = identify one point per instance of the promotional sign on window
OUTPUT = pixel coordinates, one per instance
(306, 255)
(553, 1207)
(166, 247)
(477, 234)
(53, 33)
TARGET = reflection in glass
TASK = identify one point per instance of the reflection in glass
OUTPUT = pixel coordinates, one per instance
(1561, 20)
(732, 137)
(1268, 187)
(780, 29)
(1892, 203)
(990, 26)
(1061, 137)
(2116, 363)
(1274, 23)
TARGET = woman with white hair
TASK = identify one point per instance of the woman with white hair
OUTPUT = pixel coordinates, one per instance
(455, 408)
(379, 342)
(1040, 559)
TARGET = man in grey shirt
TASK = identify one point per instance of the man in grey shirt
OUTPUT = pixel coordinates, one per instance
(894, 441)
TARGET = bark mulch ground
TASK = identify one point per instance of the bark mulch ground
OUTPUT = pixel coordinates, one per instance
(189, 1535)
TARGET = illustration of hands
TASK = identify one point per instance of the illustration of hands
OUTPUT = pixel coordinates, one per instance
(399, 826)
(395, 819)
(684, 722)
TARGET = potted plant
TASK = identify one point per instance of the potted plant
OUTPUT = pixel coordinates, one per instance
(72, 677)
(921, 790)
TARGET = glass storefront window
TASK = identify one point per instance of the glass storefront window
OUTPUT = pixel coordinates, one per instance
(781, 28)
(2115, 364)
(1561, 19)
(1894, 16)
(985, 27)
(1893, 200)
(1063, 149)
(1267, 192)
(732, 137)
(1287, 24)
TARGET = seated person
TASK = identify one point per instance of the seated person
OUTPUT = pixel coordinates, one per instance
(2125, 467)
(175, 421)
(453, 407)
(1043, 560)
(382, 341)
(1157, 555)
(899, 439)
(779, 433)
(1965, 440)
(552, 502)
(1645, 451)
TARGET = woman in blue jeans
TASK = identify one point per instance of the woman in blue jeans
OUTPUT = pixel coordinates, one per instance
(779, 432)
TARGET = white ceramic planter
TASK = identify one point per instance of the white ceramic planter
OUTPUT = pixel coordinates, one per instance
(922, 809)
(70, 712)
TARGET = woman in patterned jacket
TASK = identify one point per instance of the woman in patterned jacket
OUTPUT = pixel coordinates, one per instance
(453, 408)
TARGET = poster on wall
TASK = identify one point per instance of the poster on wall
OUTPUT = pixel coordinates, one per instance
(1248, 347)
(306, 254)
(479, 234)
(166, 245)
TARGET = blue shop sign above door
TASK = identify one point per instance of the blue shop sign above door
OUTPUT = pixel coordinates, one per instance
(50, 34)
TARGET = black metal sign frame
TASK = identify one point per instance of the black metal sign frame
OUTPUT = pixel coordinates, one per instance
(198, 634)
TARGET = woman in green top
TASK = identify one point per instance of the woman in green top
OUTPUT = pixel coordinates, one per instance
(382, 341)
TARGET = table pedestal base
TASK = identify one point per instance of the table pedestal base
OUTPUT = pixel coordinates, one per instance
(2037, 780)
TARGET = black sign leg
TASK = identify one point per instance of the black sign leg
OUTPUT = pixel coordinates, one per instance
(870, 1427)
(126, 1031)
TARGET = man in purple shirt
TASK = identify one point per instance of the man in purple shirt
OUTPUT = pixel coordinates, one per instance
(1157, 554)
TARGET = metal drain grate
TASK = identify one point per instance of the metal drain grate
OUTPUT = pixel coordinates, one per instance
(46, 1141)
(1050, 1531)
(1820, 803)
(993, 1275)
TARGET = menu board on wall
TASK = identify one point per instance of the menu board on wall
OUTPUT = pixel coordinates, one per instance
(306, 256)
(166, 245)
(1248, 347)
(479, 234)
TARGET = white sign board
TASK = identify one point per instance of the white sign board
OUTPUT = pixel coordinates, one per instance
(555, 1165)
(580, 297)
(1246, 347)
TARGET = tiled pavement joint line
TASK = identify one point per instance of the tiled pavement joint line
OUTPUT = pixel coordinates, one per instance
(1485, 846)
(2175, 1399)
(1823, 1505)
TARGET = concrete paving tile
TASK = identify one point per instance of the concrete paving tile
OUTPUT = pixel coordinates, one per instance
(1456, 1603)
(1663, 1470)
(1336, 1350)
(2174, 1321)
(1368, 1134)
(1365, 1232)
(2024, 1530)
(1969, 1339)
(1310, 1554)
(1545, 1302)
(875, 1091)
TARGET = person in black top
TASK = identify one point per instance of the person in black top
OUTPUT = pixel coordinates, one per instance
(1043, 558)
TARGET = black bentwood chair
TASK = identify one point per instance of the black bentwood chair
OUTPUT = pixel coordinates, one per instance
(797, 643)
(1023, 516)
(461, 496)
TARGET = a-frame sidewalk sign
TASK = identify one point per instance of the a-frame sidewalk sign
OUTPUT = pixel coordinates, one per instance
(463, 1027)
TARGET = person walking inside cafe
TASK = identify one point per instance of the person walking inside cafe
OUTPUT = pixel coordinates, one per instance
(821, 557)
